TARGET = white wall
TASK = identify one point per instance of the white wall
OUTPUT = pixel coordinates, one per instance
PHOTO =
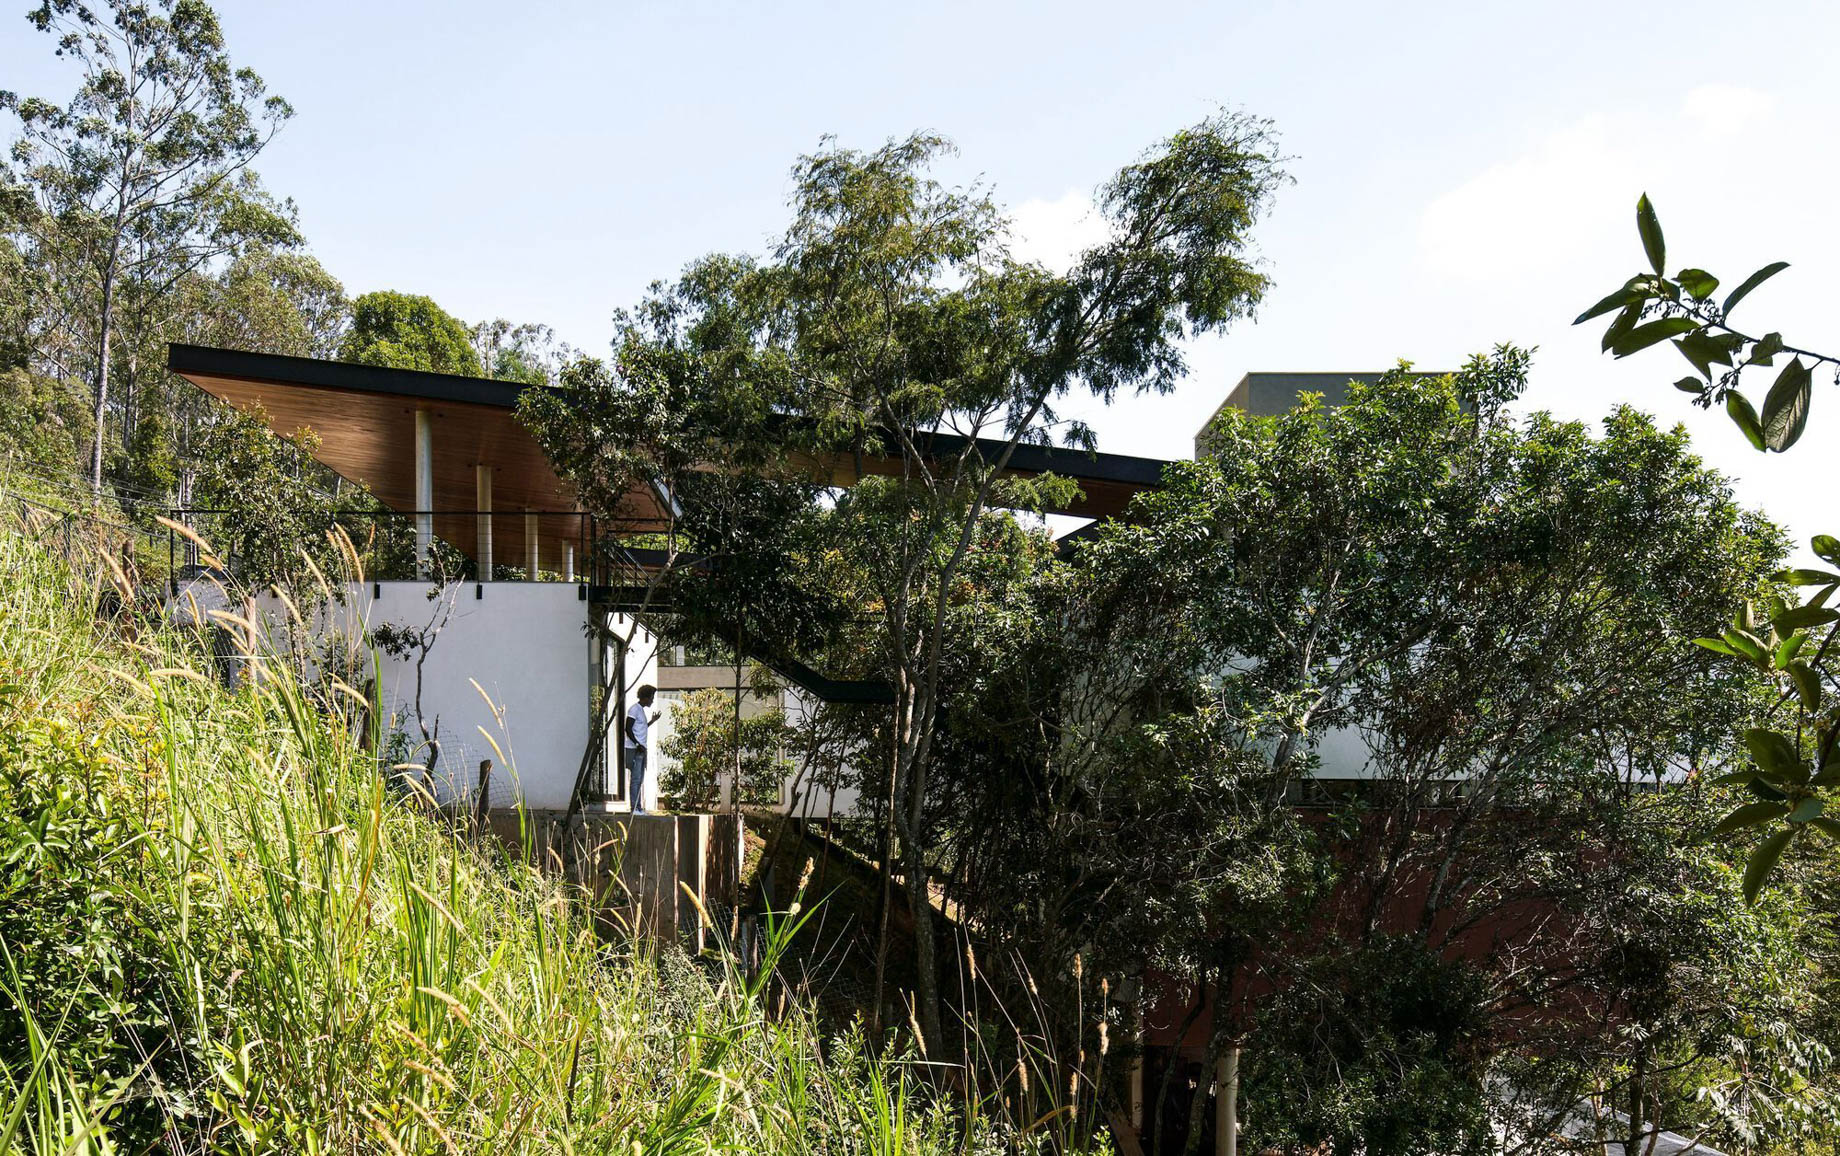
(526, 646)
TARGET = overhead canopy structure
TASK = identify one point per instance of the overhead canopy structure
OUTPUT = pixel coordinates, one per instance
(366, 420)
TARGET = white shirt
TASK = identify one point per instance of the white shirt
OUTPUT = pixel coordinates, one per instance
(639, 724)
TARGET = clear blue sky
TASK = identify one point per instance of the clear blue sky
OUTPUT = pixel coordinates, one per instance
(1465, 172)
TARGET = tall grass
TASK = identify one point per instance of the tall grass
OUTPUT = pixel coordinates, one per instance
(282, 955)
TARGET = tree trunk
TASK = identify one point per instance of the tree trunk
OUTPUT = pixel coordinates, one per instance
(883, 898)
(1155, 1124)
(1226, 1104)
(1197, 1107)
(1637, 1076)
(101, 400)
(919, 897)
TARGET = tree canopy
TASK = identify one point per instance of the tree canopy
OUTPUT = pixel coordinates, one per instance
(404, 331)
(891, 308)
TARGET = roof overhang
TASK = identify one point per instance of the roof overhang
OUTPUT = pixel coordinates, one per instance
(364, 419)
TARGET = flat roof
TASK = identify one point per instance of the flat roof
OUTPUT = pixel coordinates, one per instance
(1271, 394)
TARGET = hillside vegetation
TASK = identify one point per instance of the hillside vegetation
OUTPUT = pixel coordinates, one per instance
(222, 931)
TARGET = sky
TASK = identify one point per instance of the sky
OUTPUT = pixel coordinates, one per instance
(1465, 173)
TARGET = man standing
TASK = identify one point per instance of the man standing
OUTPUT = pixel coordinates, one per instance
(639, 722)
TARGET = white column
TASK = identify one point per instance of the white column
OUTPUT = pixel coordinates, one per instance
(482, 501)
(530, 546)
(1226, 1104)
(568, 561)
(424, 491)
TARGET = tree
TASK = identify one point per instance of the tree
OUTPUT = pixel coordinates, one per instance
(44, 423)
(706, 743)
(402, 331)
(144, 176)
(1460, 587)
(890, 310)
(265, 301)
(525, 353)
(1795, 764)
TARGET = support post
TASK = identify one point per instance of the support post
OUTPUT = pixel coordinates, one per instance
(424, 492)
(530, 546)
(1136, 1089)
(1226, 1103)
(482, 501)
(568, 561)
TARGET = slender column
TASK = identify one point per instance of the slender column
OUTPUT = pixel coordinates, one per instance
(530, 546)
(424, 491)
(482, 501)
(568, 561)
(1137, 1093)
(1226, 1103)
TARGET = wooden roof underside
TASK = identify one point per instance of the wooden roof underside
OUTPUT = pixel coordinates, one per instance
(364, 418)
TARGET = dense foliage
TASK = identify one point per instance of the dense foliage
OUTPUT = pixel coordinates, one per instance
(404, 331)
(707, 743)
(890, 311)
(1434, 602)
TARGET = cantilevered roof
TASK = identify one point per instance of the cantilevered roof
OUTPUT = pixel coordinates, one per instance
(364, 417)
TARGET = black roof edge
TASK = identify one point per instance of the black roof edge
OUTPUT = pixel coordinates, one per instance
(209, 361)
(1066, 461)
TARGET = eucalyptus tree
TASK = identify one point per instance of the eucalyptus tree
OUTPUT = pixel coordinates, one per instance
(891, 310)
(525, 352)
(144, 176)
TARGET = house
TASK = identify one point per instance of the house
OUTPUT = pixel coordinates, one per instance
(514, 626)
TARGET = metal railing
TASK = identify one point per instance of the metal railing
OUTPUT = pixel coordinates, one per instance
(522, 545)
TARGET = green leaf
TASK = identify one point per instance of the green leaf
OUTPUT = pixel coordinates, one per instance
(1801, 577)
(1735, 779)
(1831, 826)
(1702, 350)
(1765, 350)
(1690, 385)
(1827, 547)
(1785, 410)
(1802, 617)
(1649, 226)
(1617, 300)
(1625, 321)
(1719, 645)
(1751, 282)
(1763, 861)
(1744, 415)
(1807, 684)
(1763, 790)
(1747, 646)
(1697, 282)
(1807, 810)
(1750, 815)
(1773, 752)
(1643, 336)
(1787, 649)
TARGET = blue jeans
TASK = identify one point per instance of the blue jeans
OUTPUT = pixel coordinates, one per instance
(635, 770)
